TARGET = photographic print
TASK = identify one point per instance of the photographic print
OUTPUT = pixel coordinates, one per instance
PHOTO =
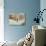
(17, 19)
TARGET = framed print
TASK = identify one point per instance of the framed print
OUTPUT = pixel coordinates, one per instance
(17, 19)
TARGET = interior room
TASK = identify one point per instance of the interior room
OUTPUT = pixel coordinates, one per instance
(23, 23)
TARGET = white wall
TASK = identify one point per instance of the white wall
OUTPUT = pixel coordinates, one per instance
(43, 6)
(1, 21)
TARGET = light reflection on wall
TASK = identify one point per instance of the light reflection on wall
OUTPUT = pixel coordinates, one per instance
(1, 21)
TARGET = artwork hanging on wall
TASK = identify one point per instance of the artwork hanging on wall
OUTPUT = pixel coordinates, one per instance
(17, 19)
